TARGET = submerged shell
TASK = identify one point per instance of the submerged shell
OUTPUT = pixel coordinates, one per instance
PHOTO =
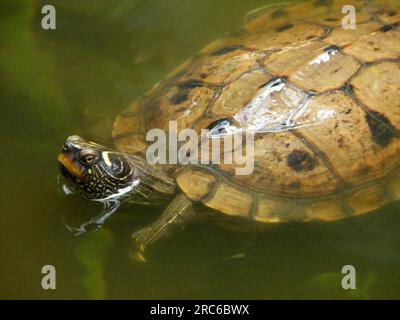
(324, 101)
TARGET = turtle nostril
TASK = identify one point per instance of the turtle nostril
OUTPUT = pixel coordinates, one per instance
(66, 148)
(69, 148)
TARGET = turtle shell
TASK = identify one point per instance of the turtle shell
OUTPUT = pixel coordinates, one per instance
(324, 101)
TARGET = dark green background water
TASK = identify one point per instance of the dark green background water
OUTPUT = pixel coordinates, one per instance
(75, 79)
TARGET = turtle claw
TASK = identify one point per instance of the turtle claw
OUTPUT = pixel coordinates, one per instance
(163, 227)
(137, 254)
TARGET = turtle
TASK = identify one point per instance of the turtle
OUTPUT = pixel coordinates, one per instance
(321, 99)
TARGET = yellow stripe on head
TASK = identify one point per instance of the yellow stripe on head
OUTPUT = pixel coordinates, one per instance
(106, 158)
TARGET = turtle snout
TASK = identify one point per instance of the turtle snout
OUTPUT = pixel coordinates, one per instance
(70, 150)
(69, 159)
(73, 146)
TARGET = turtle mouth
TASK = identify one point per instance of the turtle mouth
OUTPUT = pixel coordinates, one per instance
(70, 168)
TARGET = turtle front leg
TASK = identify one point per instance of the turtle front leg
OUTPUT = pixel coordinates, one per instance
(177, 215)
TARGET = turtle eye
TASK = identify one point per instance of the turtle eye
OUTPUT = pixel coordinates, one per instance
(88, 158)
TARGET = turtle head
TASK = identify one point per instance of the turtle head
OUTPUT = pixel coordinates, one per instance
(94, 171)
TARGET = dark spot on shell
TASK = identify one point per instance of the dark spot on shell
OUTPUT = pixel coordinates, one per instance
(273, 82)
(284, 27)
(179, 97)
(386, 28)
(190, 84)
(300, 160)
(347, 111)
(349, 89)
(322, 3)
(381, 129)
(279, 13)
(225, 50)
(220, 126)
(332, 49)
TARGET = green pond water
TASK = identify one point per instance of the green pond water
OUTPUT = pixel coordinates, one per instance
(76, 79)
